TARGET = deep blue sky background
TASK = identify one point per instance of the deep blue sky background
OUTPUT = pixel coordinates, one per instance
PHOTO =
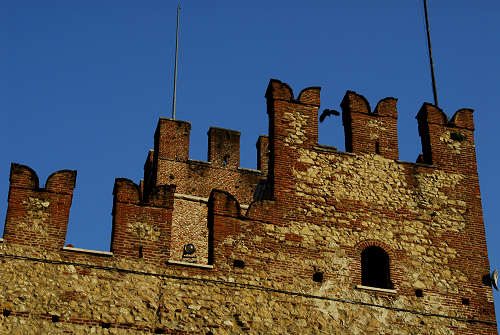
(83, 82)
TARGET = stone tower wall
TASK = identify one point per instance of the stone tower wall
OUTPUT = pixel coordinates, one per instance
(278, 250)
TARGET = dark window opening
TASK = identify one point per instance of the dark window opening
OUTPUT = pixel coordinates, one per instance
(140, 252)
(318, 277)
(105, 324)
(377, 148)
(238, 263)
(465, 301)
(419, 293)
(6, 312)
(55, 318)
(486, 279)
(160, 331)
(375, 271)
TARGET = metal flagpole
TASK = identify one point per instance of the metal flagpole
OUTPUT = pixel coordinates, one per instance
(176, 53)
(430, 55)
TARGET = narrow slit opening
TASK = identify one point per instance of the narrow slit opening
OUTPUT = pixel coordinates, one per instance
(238, 263)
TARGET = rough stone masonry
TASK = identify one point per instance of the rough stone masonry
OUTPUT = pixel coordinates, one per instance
(316, 241)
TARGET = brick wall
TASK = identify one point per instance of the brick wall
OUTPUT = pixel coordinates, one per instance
(142, 226)
(278, 250)
(195, 179)
(38, 216)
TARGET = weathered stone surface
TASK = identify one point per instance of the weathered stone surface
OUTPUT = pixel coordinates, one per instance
(254, 267)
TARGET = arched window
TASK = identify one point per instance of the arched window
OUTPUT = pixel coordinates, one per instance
(375, 271)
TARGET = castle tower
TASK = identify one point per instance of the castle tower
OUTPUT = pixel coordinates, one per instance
(316, 240)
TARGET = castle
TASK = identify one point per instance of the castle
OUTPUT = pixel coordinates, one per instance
(315, 241)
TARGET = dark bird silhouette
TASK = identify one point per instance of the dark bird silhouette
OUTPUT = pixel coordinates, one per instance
(328, 112)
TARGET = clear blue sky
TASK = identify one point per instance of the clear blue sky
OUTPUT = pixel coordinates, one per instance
(84, 82)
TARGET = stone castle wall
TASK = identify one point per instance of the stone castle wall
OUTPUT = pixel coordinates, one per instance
(278, 250)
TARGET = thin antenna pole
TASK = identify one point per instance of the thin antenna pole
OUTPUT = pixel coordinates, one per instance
(434, 91)
(176, 53)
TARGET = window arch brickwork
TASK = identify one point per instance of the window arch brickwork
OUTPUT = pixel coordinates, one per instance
(394, 268)
(375, 268)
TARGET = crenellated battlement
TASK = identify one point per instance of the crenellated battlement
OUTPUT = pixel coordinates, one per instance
(224, 147)
(23, 177)
(295, 232)
(278, 90)
(142, 226)
(293, 128)
(38, 216)
(371, 132)
(446, 143)
(169, 163)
